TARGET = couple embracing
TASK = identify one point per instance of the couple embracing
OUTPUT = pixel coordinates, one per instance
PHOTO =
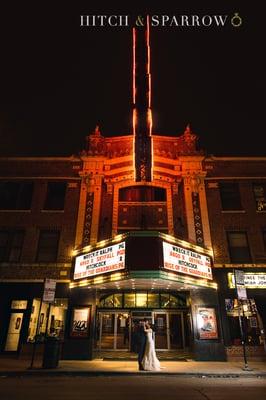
(147, 358)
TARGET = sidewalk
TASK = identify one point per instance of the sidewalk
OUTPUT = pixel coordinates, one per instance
(20, 367)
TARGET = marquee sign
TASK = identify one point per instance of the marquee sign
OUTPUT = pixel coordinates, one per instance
(107, 259)
(251, 280)
(184, 261)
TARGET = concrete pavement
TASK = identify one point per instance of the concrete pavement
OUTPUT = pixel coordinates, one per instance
(11, 366)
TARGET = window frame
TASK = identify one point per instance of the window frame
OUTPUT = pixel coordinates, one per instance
(236, 198)
(19, 195)
(42, 232)
(264, 238)
(49, 199)
(9, 247)
(141, 194)
(232, 257)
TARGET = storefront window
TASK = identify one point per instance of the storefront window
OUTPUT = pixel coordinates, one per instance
(35, 314)
(57, 317)
(51, 320)
(250, 320)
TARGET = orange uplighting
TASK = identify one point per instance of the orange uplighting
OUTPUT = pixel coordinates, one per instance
(134, 66)
(149, 120)
(149, 61)
(134, 134)
(141, 96)
(134, 116)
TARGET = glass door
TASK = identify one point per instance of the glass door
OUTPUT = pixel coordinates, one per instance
(107, 331)
(161, 331)
(122, 331)
(114, 331)
(176, 330)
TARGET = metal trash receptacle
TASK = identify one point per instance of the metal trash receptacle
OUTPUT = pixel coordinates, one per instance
(51, 353)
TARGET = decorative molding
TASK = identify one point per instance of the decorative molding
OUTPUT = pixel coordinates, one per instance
(156, 183)
(197, 218)
(88, 219)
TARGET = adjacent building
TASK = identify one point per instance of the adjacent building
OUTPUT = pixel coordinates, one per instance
(39, 200)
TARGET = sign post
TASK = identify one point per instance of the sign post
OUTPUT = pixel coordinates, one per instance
(241, 295)
(49, 290)
(48, 297)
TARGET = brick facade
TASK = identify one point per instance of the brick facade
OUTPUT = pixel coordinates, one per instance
(41, 172)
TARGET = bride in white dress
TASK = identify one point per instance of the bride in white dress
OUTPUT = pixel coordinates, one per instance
(150, 361)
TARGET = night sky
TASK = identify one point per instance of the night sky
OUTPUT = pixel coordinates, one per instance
(59, 80)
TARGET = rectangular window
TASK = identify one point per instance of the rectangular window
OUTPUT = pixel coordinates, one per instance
(11, 245)
(230, 196)
(260, 196)
(130, 300)
(16, 195)
(142, 194)
(238, 247)
(264, 239)
(141, 299)
(48, 246)
(55, 196)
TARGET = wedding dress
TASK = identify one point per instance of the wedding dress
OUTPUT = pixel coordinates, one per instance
(150, 361)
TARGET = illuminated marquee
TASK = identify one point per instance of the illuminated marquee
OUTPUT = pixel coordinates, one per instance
(107, 259)
(184, 261)
(251, 280)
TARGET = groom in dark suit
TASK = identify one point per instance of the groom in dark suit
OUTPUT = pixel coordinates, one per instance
(141, 343)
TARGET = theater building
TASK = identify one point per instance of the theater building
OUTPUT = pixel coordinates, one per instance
(136, 226)
(143, 246)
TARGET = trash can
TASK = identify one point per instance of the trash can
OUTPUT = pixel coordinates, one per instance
(51, 352)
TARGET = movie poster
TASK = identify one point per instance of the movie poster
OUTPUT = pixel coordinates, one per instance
(80, 322)
(207, 324)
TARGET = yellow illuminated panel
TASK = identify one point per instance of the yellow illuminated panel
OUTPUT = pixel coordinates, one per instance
(253, 280)
(141, 299)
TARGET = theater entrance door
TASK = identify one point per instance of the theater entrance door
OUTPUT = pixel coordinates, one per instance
(113, 331)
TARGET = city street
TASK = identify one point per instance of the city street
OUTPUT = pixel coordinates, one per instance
(132, 387)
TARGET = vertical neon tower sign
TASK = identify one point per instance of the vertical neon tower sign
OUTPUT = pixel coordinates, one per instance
(142, 113)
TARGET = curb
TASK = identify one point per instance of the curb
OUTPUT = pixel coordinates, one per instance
(55, 373)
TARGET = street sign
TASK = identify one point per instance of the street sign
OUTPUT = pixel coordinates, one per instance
(239, 277)
(240, 285)
(241, 292)
(49, 290)
(241, 295)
